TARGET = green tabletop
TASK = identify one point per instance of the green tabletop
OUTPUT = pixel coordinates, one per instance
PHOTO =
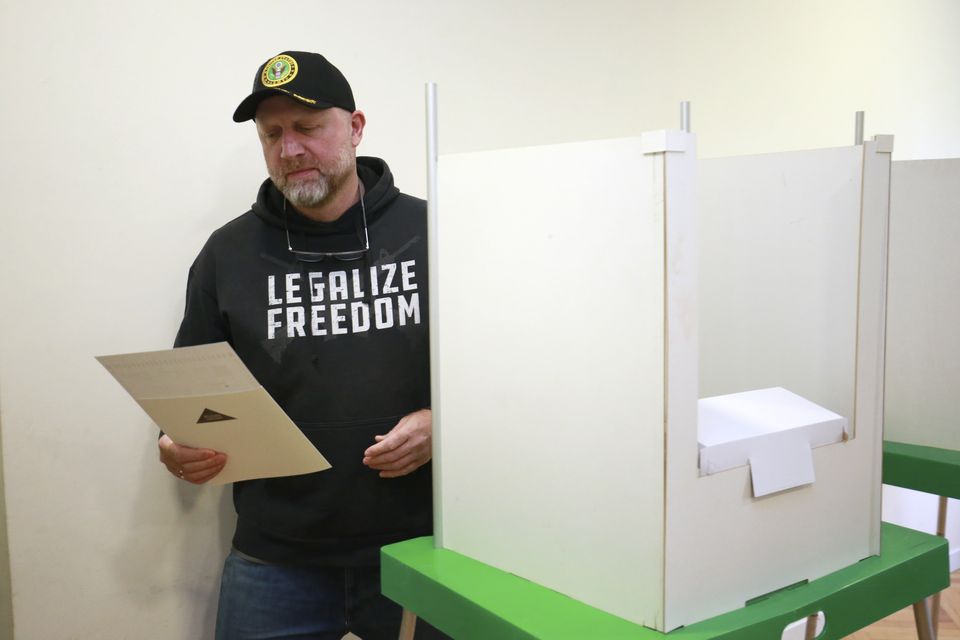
(468, 599)
(926, 469)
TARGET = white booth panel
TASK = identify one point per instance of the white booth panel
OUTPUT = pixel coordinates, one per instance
(551, 367)
(792, 273)
(923, 345)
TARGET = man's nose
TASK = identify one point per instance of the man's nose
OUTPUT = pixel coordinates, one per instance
(290, 145)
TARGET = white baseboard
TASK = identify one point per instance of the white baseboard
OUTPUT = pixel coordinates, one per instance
(954, 560)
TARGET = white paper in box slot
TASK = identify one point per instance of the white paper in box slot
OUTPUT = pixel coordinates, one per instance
(773, 430)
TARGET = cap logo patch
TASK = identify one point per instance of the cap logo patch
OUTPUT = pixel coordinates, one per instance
(278, 70)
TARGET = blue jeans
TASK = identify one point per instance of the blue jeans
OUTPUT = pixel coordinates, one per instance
(267, 601)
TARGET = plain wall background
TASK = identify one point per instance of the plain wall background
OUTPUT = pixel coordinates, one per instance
(119, 158)
(6, 602)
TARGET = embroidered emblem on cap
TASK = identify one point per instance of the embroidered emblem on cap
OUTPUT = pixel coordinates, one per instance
(279, 70)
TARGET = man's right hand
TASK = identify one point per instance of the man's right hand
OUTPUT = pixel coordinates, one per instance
(190, 464)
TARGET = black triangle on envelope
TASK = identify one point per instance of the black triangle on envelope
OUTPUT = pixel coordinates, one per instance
(209, 415)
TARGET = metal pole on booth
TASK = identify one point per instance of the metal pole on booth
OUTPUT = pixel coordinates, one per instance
(858, 128)
(433, 280)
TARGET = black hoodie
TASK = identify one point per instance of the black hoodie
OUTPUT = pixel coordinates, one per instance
(342, 346)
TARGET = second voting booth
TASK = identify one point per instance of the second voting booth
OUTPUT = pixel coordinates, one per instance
(658, 381)
(924, 352)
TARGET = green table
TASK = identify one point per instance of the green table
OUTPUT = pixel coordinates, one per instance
(931, 470)
(927, 469)
(468, 599)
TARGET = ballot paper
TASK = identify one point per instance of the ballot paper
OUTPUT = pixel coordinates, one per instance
(205, 397)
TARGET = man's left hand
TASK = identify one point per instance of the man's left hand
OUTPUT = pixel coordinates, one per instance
(406, 448)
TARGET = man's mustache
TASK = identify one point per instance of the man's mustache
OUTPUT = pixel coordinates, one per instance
(290, 167)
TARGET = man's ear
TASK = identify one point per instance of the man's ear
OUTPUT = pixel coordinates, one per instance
(357, 122)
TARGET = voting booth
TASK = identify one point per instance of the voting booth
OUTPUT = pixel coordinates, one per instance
(923, 370)
(658, 382)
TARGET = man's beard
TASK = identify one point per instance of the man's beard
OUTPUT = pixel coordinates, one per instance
(314, 192)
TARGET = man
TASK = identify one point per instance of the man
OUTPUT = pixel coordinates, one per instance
(321, 288)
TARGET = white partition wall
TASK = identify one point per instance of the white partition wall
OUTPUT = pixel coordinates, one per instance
(792, 275)
(923, 344)
(923, 358)
(566, 365)
(551, 366)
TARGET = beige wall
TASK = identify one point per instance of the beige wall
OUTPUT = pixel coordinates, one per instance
(120, 157)
(6, 602)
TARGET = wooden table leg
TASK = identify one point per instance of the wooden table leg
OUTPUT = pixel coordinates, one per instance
(408, 624)
(935, 599)
(935, 614)
(810, 632)
(921, 614)
(927, 612)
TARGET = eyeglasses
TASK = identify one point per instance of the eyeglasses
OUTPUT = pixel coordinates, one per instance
(320, 256)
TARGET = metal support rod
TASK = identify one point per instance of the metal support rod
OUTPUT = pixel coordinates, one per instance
(431, 98)
(434, 305)
(685, 116)
(858, 128)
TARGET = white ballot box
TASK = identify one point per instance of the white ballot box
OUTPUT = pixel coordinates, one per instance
(587, 295)
(772, 430)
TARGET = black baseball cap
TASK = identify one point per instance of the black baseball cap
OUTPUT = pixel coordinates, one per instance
(306, 77)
